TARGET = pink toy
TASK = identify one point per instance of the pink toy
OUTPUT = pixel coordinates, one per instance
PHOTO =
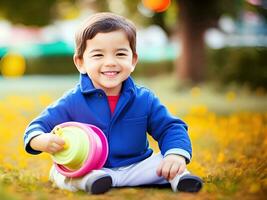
(97, 153)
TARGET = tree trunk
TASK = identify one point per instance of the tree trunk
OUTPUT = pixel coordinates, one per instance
(190, 66)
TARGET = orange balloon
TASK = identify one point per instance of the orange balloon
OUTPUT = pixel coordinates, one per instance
(157, 5)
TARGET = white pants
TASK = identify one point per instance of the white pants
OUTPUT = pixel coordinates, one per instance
(141, 173)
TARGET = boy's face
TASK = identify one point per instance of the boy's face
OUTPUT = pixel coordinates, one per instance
(108, 60)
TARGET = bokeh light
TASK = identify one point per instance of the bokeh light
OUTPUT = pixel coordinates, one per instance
(157, 5)
(13, 65)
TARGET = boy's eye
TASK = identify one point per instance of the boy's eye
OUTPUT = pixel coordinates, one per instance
(121, 54)
(97, 55)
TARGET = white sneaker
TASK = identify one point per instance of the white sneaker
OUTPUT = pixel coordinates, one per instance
(60, 180)
(98, 183)
(186, 183)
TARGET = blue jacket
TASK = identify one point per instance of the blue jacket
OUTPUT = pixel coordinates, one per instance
(137, 112)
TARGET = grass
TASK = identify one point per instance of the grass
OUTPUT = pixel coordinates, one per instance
(227, 127)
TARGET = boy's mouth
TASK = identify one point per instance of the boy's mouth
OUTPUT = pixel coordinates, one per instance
(110, 73)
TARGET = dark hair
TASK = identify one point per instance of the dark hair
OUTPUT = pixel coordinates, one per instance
(103, 23)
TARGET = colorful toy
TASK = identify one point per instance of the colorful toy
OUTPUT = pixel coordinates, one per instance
(85, 149)
(157, 5)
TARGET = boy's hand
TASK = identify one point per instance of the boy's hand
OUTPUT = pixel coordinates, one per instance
(47, 142)
(171, 165)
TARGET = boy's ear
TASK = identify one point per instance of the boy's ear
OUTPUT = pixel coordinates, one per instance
(79, 64)
(134, 62)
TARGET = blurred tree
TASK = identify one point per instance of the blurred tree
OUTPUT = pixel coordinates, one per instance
(189, 19)
(29, 12)
(194, 18)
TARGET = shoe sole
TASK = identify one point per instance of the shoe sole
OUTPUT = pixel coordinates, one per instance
(189, 183)
(100, 185)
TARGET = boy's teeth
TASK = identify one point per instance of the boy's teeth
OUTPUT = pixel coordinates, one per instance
(110, 73)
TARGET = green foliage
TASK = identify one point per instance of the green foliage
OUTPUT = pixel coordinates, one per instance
(242, 65)
(29, 12)
(50, 65)
(149, 69)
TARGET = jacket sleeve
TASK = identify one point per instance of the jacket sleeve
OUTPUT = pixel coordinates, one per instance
(170, 132)
(53, 115)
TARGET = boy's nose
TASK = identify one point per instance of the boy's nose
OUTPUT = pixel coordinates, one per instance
(110, 61)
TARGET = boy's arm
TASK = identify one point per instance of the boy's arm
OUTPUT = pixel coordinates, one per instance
(55, 114)
(169, 131)
(27, 139)
(176, 151)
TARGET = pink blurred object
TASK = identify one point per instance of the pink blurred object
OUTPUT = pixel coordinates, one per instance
(255, 2)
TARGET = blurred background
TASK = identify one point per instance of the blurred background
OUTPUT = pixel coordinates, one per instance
(213, 50)
(210, 53)
(223, 40)
(206, 60)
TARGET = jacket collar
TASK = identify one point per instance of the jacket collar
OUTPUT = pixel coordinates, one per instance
(87, 87)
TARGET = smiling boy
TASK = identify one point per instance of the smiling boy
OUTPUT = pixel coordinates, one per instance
(108, 98)
(108, 60)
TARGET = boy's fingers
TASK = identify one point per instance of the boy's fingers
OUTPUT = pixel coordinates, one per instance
(173, 171)
(54, 148)
(181, 169)
(58, 140)
(166, 170)
(57, 146)
(159, 169)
